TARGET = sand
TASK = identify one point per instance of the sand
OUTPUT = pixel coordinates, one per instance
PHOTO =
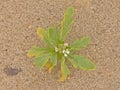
(98, 19)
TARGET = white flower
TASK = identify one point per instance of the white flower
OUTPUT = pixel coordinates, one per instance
(65, 55)
(56, 49)
(63, 51)
(67, 51)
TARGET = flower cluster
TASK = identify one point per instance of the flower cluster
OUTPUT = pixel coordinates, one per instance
(64, 50)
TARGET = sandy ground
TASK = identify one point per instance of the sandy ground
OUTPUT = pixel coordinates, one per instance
(99, 19)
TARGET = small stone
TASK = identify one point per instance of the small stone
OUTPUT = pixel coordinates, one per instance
(29, 26)
(65, 44)
(11, 71)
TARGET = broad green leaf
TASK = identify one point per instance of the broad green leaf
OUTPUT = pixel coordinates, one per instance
(41, 60)
(53, 59)
(44, 35)
(83, 62)
(52, 62)
(49, 66)
(73, 62)
(41, 33)
(64, 71)
(36, 51)
(80, 43)
(54, 35)
(66, 23)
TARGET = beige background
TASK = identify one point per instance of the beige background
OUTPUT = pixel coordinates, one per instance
(98, 19)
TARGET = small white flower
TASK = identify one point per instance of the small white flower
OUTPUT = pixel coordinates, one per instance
(56, 49)
(65, 55)
(67, 51)
(65, 44)
(63, 51)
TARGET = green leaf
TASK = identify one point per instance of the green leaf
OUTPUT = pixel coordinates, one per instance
(54, 34)
(52, 62)
(80, 43)
(73, 62)
(41, 60)
(66, 23)
(83, 62)
(36, 51)
(44, 35)
(64, 71)
(49, 66)
(54, 59)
